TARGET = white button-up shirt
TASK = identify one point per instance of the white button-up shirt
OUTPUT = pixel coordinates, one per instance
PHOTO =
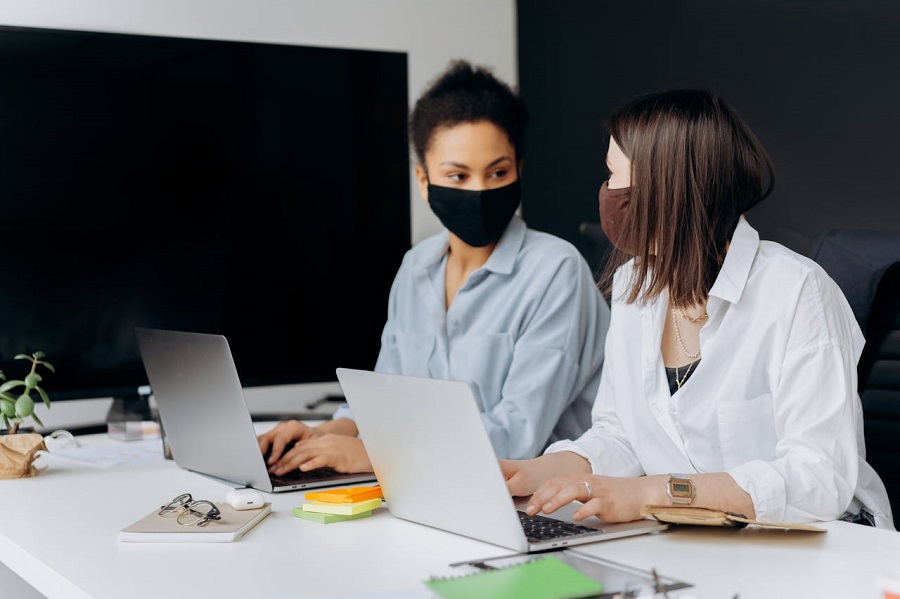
(773, 402)
(527, 329)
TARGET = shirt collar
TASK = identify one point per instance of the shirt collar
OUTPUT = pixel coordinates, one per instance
(502, 259)
(735, 271)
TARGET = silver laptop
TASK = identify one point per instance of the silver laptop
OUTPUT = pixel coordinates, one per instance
(205, 416)
(436, 466)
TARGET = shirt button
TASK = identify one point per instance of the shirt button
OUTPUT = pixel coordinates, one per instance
(672, 408)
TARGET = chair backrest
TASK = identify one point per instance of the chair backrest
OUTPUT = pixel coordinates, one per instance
(595, 246)
(879, 383)
(856, 259)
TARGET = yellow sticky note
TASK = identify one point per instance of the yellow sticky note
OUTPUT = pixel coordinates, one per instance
(341, 508)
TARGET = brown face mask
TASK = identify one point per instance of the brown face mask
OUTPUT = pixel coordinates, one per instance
(613, 207)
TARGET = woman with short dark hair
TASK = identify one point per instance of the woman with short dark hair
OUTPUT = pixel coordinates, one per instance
(513, 311)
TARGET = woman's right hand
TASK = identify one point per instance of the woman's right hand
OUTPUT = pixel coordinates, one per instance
(283, 435)
(523, 477)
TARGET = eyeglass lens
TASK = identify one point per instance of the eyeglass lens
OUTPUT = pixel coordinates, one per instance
(176, 504)
(198, 513)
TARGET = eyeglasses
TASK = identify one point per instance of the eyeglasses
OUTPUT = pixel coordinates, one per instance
(189, 512)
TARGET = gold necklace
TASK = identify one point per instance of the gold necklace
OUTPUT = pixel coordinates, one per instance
(679, 339)
(697, 320)
(681, 381)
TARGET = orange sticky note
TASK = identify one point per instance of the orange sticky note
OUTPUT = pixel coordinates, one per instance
(346, 495)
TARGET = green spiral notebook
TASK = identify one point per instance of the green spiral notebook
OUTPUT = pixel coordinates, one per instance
(541, 578)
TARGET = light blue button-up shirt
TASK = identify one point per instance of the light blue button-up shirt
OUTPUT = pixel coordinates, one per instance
(527, 329)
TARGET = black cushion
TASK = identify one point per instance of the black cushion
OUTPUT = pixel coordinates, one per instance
(879, 383)
(856, 259)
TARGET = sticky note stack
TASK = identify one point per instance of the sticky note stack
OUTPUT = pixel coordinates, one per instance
(337, 505)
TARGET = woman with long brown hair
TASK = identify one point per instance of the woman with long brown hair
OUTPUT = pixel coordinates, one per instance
(730, 374)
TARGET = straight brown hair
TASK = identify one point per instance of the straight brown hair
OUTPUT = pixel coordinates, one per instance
(696, 167)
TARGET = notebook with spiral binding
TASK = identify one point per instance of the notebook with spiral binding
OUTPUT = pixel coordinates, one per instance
(543, 578)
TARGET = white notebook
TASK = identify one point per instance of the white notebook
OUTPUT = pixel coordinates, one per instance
(234, 524)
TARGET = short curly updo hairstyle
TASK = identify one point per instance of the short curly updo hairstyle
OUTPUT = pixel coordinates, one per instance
(467, 94)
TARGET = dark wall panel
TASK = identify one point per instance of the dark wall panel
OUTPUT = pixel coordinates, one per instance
(819, 82)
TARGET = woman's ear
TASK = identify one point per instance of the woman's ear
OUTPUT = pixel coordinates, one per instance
(422, 178)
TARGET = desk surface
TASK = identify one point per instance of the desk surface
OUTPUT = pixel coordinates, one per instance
(58, 532)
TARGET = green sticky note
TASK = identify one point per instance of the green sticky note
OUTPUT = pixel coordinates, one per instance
(323, 518)
(541, 578)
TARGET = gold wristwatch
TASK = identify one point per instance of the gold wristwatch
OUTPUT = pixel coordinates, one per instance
(680, 489)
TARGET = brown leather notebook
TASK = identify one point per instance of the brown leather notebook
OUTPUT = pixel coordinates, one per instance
(684, 514)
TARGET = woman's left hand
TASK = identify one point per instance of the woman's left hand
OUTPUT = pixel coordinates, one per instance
(341, 452)
(610, 498)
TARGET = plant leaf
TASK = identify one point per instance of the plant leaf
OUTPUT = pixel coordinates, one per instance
(38, 355)
(10, 385)
(6, 421)
(38, 420)
(44, 397)
(22, 357)
(49, 366)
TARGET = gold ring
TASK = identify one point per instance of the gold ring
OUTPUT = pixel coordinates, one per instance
(588, 487)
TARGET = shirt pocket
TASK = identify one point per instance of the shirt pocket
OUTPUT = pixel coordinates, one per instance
(412, 352)
(483, 360)
(747, 430)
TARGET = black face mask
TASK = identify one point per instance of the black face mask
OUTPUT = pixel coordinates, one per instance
(477, 217)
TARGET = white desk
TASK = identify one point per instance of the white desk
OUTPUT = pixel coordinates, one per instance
(58, 532)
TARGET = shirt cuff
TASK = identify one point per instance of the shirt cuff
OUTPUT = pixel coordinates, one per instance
(567, 445)
(343, 411)
(766, 491)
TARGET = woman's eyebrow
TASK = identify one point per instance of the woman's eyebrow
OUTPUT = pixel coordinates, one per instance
(460, 165)
(454, 164)
(499, 160)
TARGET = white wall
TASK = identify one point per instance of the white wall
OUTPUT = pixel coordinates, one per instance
(431, 32)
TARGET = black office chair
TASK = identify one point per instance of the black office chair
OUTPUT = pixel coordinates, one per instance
(879, 383)
(856, 259)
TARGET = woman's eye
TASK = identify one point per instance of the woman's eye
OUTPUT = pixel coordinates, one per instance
(458, 177)
(499, 174)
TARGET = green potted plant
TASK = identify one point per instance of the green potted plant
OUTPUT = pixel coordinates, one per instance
(17, 450)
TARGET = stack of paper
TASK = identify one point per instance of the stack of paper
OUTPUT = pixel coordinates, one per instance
(337, 505)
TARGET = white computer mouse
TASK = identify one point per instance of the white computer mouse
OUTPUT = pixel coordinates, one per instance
(245, 499)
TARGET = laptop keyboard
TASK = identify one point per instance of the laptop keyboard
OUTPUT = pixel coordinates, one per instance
(541, 528)
(298, 476)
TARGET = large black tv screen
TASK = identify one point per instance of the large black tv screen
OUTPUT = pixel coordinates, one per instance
(260, 191)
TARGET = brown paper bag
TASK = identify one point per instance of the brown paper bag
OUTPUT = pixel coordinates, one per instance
(17, 455)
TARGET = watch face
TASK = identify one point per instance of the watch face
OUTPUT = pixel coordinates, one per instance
(681, 488)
